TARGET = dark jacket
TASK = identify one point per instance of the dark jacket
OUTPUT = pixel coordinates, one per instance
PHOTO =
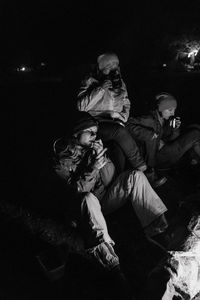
(148, 132)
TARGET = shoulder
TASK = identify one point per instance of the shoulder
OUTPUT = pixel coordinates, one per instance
(148, 118)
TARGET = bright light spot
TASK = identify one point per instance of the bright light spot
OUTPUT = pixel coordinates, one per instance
(42, 64)
(193, 52)
(164, 65)
(23, 69)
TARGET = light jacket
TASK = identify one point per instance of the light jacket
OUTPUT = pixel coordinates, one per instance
(99, 102)
(75, 168)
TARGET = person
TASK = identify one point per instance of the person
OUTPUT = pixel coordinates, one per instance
(103, 94)
(81, 162)
(160, 137)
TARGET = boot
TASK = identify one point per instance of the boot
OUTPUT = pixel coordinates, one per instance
(153, 178)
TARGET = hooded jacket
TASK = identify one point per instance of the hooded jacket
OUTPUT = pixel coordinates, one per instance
(148, 133)
(74, 166)
(99, 102)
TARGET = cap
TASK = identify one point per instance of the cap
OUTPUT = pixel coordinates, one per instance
(83, 121)
(106, 59)
(165, 101)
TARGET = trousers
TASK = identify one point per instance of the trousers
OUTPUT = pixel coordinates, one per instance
(147, 205)
(172, 152)
(127, 148)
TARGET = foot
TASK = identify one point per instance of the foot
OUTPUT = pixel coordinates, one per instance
(154, 179)
(162, 240)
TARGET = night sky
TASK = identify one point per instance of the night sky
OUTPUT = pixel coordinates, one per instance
(72, 32)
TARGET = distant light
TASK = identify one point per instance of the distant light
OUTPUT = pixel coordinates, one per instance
(24, 69)
(42, 64)
(164, 65)
(193, 52)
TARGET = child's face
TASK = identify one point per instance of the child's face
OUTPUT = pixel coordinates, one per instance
(87, 136)
(167, 113)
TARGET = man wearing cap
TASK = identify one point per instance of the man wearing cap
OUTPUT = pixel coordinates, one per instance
(104, 95)
(81, 162)
(158, 134)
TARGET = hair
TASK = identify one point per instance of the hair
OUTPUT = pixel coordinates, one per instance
(159, 98)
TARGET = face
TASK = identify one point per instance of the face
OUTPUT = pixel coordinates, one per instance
(167, 113)
(87, 136)
(113, 65)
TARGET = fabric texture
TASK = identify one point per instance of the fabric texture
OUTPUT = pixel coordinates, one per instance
(148, 133)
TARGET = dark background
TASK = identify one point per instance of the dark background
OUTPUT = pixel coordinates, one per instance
(70, 33)
(37, 107)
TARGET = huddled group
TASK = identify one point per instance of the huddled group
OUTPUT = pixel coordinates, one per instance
(109, 157)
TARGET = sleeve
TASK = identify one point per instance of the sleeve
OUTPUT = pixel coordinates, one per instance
(89, 95)
(170, 134)
(86, 181)
(142, 128)
(80, 178)
(126, 108)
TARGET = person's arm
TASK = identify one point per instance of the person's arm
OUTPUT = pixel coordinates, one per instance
(81, 177)
(87, 180)
(89, 95)
(88, 176)
(126, 109)
(143, 128)
(170, 131)
(123, 103)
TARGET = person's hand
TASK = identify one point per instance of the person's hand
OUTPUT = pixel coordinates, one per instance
(97, 146)
(177, 122)
(106, 85)
(161, 144)
(115, 115)
(100, 160)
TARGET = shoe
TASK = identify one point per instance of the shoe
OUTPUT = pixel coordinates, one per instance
(159, 182)
(162, 240)
(153, 178)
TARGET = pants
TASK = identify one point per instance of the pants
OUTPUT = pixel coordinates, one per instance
(146, 203)
(173, 151)
(112, 131)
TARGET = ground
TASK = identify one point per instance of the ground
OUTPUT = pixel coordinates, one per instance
(37, 113)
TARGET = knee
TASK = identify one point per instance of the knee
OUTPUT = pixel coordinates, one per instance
(90, 201)
(121, 131)
(138, 176)
(195, 134)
